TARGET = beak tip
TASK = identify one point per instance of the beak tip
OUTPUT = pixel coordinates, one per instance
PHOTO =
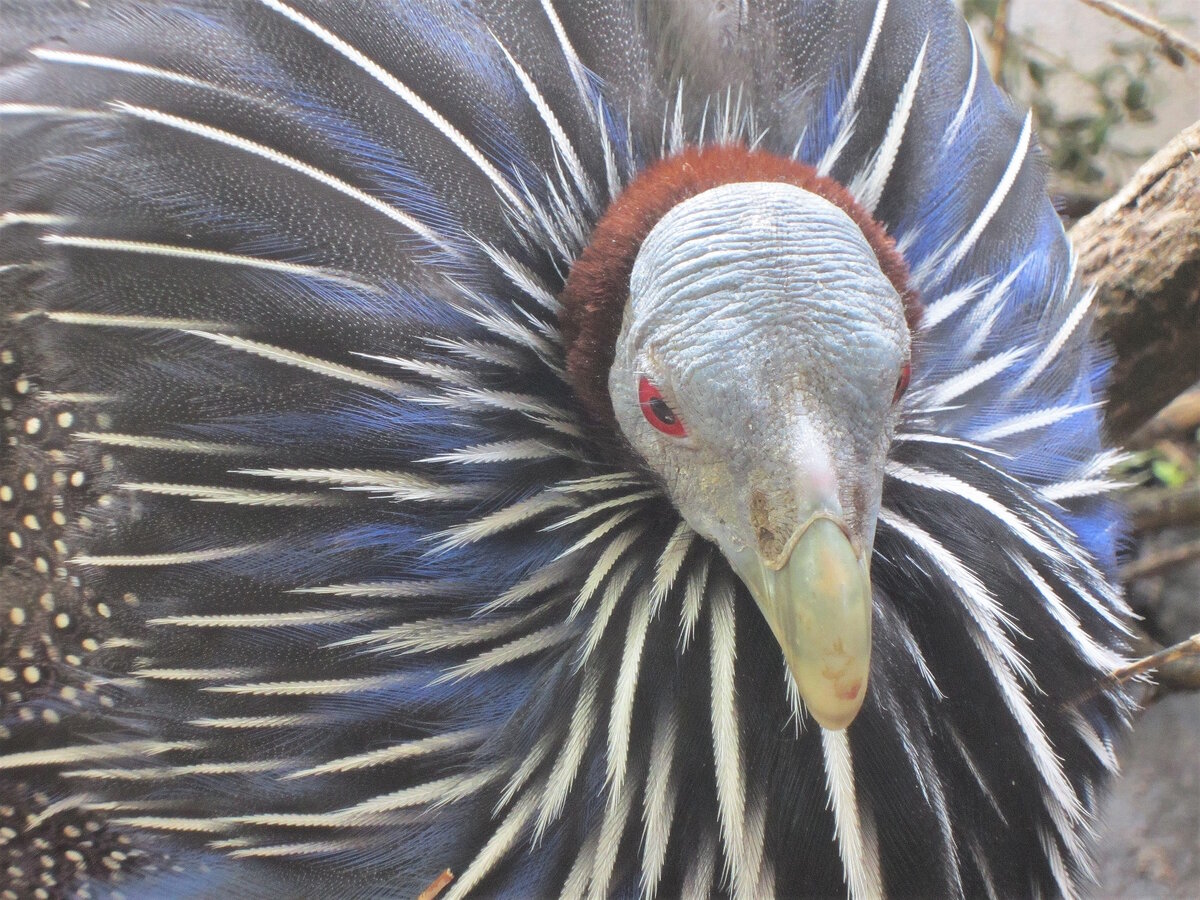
(838, 711)
(850, 692)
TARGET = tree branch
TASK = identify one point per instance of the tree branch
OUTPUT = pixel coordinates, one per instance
(1141, 250)
(1152, 509)
(1175, 46)
(1160, 561)
(1179, 418)
(1000, 40)
(1176, 668)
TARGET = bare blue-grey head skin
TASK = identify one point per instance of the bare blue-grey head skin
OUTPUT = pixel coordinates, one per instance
(761, 313)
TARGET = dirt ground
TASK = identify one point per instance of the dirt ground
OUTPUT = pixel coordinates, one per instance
(1150, 847)
(1150, 843)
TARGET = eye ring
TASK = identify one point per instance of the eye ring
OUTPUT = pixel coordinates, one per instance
(902, 381)
(657, 411)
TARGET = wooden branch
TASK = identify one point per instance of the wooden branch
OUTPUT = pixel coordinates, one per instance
(1179, 674)
(1174, 45)
(1141, 250)
(1178, 419)
(1153, 508)
(1160, 561)
(1000, 40)
(1176, 668)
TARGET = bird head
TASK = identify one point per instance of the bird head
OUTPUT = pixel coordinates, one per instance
(760, 356)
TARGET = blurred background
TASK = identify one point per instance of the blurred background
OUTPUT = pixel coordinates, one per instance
(1104, 95)
(1105, 98)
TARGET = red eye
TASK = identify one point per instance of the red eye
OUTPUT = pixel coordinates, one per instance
(656, 410)
(902, 382)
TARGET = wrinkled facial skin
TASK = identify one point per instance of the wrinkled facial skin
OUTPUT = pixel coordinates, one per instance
(760, 312)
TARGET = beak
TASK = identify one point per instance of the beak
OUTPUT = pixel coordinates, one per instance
(816, 596)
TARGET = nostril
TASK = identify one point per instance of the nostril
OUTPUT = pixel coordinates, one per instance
(769, 543)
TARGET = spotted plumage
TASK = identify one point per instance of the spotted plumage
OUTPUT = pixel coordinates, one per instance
(361, 589)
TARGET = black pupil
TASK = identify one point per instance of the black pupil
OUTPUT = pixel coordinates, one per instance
(661, 411)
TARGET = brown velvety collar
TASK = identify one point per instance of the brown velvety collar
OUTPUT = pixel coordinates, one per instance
(597, 288)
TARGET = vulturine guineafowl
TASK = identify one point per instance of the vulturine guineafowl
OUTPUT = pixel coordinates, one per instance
(595, 446)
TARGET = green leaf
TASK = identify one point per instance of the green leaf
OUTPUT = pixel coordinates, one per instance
(1169, 473)
(1135, 95)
